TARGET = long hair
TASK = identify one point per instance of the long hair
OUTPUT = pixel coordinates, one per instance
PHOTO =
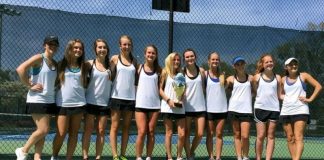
(219, 72)
(188, 50)
(169, 68)
(156, 65)
(259, 66)
(131, 41)
(106, 63)
(67, 60)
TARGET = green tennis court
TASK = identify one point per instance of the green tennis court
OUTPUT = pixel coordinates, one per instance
(313, 147)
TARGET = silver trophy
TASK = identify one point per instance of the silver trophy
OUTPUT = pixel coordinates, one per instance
(179, 86)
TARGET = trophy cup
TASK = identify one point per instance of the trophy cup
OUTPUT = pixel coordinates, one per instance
(179, 86)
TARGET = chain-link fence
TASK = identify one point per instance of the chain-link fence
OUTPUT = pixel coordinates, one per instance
(231, 28)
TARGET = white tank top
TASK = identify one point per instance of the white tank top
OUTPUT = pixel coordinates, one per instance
(147, 95)
(291, 104)
(194, 99)
(267, 95)
(124, 83)
(168, 90)
(98, 91)
(215, 96)
(46, 76)
(241, 98)
(71, 93)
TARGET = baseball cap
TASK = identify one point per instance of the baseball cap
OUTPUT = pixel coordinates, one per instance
(50, 39)
(289, 60)
(237, 59)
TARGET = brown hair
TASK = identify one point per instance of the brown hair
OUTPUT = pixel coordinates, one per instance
(156, 65)
(106, 63)
(67, 60)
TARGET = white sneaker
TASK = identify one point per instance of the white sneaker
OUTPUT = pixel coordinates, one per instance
(179, 158)
(246, 158)
(139, 158)
(54, 158)
(148, 158)
(20, 154)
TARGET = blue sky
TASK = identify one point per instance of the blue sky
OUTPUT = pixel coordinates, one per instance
(293, 14)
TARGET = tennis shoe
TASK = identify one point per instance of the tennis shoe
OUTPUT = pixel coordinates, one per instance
(20, 154)
(54, 158)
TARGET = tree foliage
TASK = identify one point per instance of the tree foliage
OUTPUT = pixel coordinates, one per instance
(12, 93)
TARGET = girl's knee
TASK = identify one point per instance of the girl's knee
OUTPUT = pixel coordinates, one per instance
(199, 135)
(181, 135)
(290, 139)
(219, 136)
(43, 131)
(168, 134)
(101, 132)
(245, 138)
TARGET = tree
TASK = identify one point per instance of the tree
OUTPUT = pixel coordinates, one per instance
(312, 26)
(4, 75)
(321, 26)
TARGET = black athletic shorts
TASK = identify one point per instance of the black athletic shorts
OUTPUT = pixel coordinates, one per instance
(70, 110)
(97, 110)
(294, 118)
(243, 117)
(173, 116)
(216, 116)
(261, 115)
(196, 114)
(122, 105)
(42, 108)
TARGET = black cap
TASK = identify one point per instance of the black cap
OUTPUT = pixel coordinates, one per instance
(50, 39)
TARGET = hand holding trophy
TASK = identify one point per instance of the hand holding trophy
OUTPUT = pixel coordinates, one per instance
(179, 86)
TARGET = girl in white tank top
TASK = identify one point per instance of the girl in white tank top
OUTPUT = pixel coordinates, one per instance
(294, 111)
(122, 102)
(97, 96)
(168, 109)
(194, 101)
(216, 103)
(41, 94)
(240, 107)
(267, 87)
(125, 74)
(70, 98)
(45, 75)
(147, 101)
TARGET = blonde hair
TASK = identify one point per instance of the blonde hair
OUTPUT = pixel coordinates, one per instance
(169, 68)
(220, 74)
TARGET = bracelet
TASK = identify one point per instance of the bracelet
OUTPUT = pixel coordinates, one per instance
(168, 100)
